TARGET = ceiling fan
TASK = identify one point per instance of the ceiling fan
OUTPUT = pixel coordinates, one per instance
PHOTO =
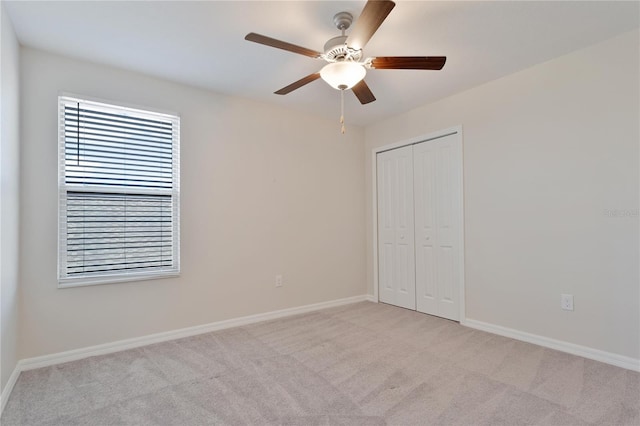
(346, 69)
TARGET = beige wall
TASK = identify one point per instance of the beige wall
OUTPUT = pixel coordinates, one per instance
(268, 191)
(9, 199)
(546, 152)
(265, 191)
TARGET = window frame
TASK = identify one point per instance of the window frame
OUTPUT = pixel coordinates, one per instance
(89, 279)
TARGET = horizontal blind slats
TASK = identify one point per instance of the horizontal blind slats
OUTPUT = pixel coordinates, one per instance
(97, 121)
(136, 183)
(105, 134)
(106, 148)
(115, 258)
(122, 154)
(118, 231)
(120, 116)
(109, 231)
(106, 141)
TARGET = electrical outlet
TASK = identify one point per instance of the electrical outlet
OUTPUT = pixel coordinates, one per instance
(278, 280)
(566, 302)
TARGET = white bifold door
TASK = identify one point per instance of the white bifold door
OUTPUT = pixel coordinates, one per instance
(396, 249)
(419, 190)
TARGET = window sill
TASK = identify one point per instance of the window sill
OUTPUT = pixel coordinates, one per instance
(114, 279)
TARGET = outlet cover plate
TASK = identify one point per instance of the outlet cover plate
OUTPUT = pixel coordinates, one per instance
(566, 302)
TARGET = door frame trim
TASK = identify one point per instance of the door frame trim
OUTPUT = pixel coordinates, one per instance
(374, 167)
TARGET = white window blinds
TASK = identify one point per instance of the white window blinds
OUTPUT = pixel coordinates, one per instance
(119, 193)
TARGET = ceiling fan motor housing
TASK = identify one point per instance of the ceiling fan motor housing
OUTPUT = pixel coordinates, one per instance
(336, 50)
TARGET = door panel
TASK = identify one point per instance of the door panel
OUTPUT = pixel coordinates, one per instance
(425, 268)
(424, 196)
(396, 228)
(438, 189)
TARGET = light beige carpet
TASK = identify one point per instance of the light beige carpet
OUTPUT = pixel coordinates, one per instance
(361, 364)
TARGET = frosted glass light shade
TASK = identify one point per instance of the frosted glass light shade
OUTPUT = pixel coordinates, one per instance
(343, 75)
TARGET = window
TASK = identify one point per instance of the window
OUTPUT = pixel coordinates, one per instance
(119, 193)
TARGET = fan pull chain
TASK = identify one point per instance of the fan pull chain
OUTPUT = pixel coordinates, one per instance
(342, 130)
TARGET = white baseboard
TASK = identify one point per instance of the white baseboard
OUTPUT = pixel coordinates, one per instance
(9, 387)
(583, 351)
(371, 298)
(121, 345)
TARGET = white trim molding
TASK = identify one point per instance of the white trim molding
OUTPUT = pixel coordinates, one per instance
(547, 342)
(121, 345)
(6, 392)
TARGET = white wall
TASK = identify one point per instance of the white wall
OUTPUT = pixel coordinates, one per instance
(265, 191)
(546, 152)
(9, 199)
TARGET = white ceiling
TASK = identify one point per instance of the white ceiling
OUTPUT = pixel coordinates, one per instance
(202, 43)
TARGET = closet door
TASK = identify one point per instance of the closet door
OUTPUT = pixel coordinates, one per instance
(438, 210)
(396, 256)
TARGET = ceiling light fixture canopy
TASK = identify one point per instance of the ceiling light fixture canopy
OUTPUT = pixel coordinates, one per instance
(343, 75)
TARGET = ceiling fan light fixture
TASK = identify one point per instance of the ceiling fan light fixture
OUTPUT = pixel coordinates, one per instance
(343, 75)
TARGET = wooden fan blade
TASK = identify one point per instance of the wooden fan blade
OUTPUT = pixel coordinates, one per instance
(363, 93)
(408, 62)
(372, 16)
(268, 41)
(298, 84)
